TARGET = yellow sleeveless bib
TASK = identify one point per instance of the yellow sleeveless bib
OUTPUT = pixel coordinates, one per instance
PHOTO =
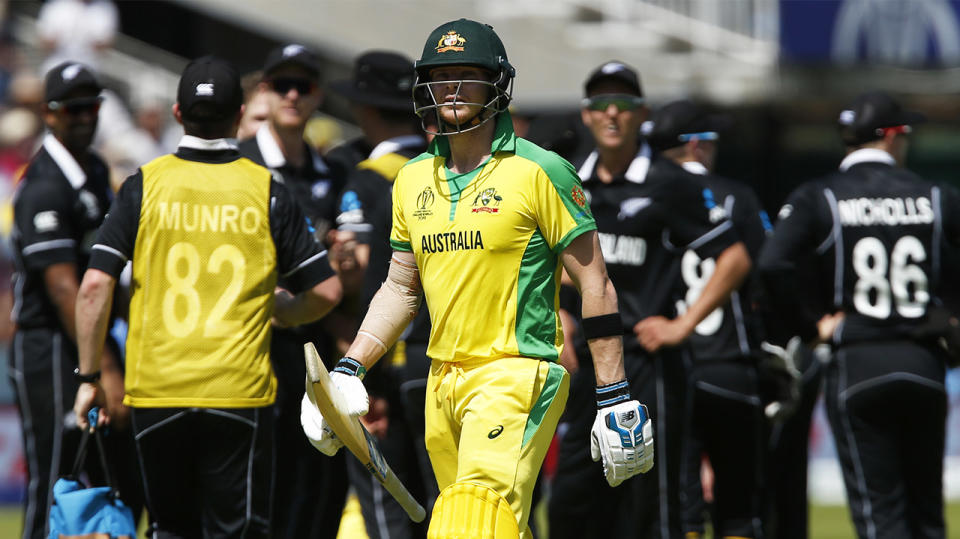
(204, 271)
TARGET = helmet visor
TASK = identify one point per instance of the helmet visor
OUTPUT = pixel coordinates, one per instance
(455, 106)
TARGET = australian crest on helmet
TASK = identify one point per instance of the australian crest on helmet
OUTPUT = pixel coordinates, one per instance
(451, 41)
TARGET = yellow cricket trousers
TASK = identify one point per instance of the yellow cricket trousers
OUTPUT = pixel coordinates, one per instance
(490, 422)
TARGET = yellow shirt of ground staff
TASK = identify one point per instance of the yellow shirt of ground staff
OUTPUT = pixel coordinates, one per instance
(487, 245)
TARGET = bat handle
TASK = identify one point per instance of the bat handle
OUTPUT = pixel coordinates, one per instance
(400, 493)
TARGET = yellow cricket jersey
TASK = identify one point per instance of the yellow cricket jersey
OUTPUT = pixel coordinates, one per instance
(487, 246)
(204, 271)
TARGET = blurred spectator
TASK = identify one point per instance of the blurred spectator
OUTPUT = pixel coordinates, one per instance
(151, 118)
(323, 133)
(120, 140)
(76, 30)
(9, 57)
(256, 103)
(26, 90)
(19, 129)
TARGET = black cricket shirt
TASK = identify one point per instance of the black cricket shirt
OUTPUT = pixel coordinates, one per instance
(875, 233)
(57, 208)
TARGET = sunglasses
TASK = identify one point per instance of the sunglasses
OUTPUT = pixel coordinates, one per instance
(705, 135)
(282, 85)
(75, 107)
(621, 101)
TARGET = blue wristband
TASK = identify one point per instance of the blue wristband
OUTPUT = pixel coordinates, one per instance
(614, 393)
(350, 366)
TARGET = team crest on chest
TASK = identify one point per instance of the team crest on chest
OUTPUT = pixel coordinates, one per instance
(487, 201)
(425, 201)
(451, 41)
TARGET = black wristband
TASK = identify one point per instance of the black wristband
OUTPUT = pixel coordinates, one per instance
(615, 393)
(605, 325)
(348, 365)
(86, 378)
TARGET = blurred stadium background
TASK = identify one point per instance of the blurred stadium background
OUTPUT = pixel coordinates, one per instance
(782, 68)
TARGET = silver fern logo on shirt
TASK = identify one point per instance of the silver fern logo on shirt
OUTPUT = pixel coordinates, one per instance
(632, 206)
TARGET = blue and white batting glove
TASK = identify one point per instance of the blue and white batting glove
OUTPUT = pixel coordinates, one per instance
(347, 376)
(622, 435)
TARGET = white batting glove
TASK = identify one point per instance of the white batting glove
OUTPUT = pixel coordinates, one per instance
(622, 437)
(316, 429)
(347, 378)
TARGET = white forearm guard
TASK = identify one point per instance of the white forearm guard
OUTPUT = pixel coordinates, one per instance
(394, 305)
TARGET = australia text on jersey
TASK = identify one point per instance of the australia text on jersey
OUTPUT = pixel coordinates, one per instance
(463, 240)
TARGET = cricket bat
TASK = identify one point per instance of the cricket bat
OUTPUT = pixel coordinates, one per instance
(354, 436)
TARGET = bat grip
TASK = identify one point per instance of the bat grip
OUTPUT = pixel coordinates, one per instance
(400, 493)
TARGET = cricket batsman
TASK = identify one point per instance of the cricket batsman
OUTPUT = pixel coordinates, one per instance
(484, 222)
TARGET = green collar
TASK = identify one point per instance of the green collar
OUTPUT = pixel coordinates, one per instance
(504, 139)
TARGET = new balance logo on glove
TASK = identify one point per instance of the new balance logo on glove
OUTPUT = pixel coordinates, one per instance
(622, 436)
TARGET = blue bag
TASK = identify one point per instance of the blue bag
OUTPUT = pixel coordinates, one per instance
(94, 512)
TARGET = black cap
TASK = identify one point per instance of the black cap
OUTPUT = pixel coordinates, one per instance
(67, 77)
(614, 71)
(292, 54)
(863, 120)
(679, 121)
(380, 78)
(209, 90)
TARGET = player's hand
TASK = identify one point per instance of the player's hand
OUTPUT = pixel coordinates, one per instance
(354, 394)
(316, 428)
(346, 376)
(827, 326)
(377, 420)
(344, 259)
(780, 378)
(88, 396)
(111, 382)
(655, 332)
(280, 296)
(622, 437)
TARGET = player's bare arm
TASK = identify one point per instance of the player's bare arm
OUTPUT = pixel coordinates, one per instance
(733, 265)
(623, 457)
(292, 310)
(568, 358)
(391, 310)
(584, 264)
(92, 314)
(61, 283)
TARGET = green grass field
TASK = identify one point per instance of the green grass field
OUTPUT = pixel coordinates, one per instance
(826, 522)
